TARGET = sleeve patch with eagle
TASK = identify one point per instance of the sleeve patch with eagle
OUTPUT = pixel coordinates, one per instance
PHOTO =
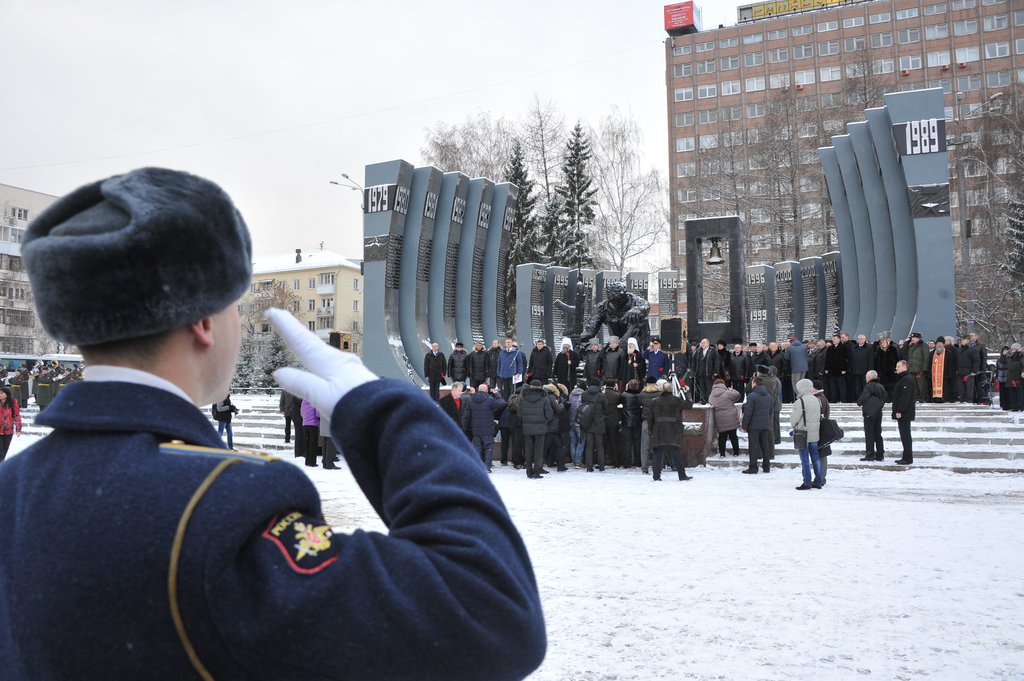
(305, 542)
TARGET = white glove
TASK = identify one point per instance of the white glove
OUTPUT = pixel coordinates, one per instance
(331, 373)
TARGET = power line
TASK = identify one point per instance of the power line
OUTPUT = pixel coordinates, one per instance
(328, 121)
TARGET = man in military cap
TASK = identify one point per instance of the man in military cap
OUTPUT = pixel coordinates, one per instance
(166, 556)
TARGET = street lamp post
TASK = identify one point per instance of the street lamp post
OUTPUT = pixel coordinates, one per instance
(961, 197)
(349, 183)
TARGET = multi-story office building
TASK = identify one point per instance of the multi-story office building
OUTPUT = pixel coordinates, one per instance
(20, 334)
(322, 289)
(750, 104)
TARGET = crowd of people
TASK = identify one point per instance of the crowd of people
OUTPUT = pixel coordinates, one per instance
(592, 407)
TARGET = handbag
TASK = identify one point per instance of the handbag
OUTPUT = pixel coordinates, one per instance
(800, 435)
(830, 432)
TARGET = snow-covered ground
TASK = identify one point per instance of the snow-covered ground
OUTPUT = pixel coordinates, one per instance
(888, 575)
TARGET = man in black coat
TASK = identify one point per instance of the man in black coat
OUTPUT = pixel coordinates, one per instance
(535, 411)
(611, 424)
(492, 363)
(757, 424)
(836, 366)
(434, 368)
(872, 401)
(666, 426)
(593, 358)
(458, 365)
(453, 403)
(707, 366)
(968, 364)
(565, 364)
(904, 398)
(613, 363)
(478, 363)
(541, 362)
(742, 370)
(860, 355)
(594, 430)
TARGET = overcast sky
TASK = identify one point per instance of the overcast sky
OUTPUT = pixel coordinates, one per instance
(274, 99)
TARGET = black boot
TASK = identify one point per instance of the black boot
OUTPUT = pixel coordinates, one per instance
(750, 471)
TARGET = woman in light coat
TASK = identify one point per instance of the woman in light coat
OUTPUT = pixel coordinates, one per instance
(806, 415)
(724, 399)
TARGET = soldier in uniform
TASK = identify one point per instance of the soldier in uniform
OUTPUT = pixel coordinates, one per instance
(155, 553)
(625, 314)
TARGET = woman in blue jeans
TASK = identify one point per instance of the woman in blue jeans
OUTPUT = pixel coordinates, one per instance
(806, 415)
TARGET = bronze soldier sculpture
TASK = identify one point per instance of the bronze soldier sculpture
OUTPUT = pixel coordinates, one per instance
(625, 314)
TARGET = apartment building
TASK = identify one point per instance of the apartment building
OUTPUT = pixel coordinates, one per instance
(323, 289)
(20, 333)
(749, 105)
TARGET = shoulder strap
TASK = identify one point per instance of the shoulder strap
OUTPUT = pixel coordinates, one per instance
(803, 411)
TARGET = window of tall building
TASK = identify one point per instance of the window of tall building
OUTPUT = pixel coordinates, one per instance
(880, 18)
(311, 325)
(963, 4)
(806, 103)
(779, 54)
(753, 135)
(997, 22)
(910, 61)
(938, 58)
(733, 139)
(706, 66)
(906, 13)
(311, 305)
(1020, 76)
(988, 3)
(806, 130)
(827, 73)
(731, 62)
(803, 51)
(967, 83)
(295, 284)
(881, 39)
(805, 77)
(732, 113)
(312, 282)
(355, 305)
(831, 100)
(853, 44)
(945, 83)
(680, 50)
(967, 54)
(684, 144)
(706, 47)
(880, 66)
(755, 84)
(826, 26)
(965, 27)
(683, 94)
(778, 34)
(684, 119)
(728, 42)
(936, 31)
(828, 47)
(779, 80)
(707, 116)
(327, 278)
(755, 110)
(1018, 18)
(686, 169)
(851, 22)
(931, 10)
(856, 70)
(729, 87)
(682, 70)
(909, 35)
(1020, 45)
(708, 142)
(686, 195)
(753, 59)
(834, 126)
(996, 50)
(753, 38)
(802, 30)
(998, 78)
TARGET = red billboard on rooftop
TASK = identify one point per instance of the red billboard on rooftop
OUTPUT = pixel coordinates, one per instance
(682, 18)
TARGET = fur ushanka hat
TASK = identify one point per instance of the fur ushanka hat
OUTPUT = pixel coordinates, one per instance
(134, 255)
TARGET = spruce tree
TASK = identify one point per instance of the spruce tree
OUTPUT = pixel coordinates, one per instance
(577, 195)
(277, 355)
(524, 239)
